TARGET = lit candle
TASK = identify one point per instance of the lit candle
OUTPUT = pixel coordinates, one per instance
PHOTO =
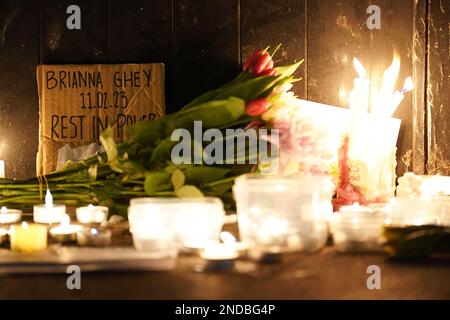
(220, 255)
(9, 216)
(28, 238)
(398, 96)
(229, 239)
(94, 237)
(2, 169)
(65, 232)
(49, 212)
(360, 94)
(92, 214)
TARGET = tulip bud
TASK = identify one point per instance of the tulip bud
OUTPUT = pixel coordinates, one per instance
(257, 107)
(251, 59)
(260, 64)
(268, 72)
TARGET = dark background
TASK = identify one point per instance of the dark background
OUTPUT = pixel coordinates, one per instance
(203, 42)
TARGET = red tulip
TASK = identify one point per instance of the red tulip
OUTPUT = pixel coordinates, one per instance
(260, 63)
(257, 107)
(268, 72)
(251, 59)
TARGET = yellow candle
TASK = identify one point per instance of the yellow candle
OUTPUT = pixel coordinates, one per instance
(28, 238)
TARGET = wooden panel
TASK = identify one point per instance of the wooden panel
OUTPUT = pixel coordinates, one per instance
(337, 33)
(19, 54)
(60, 45)
(438, 103)
(396, 34)
(141, 31)
(267, 23)
(206, 44)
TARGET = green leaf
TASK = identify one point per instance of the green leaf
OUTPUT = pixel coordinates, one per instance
(163, 150)
(178, 179)
(188, 191)
(198, 175)
(107, 140)
(213, 114)
(153, 180)
(287, 71)
(93, 172)
(250, 89)
(148, 132)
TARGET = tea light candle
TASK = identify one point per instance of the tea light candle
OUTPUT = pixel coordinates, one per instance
(9, 216)
(219, 256)
(230, 240)
(65, 232)
(94, 237)
(28, 238)
(49, 212)
(92, 214)
(196, 246)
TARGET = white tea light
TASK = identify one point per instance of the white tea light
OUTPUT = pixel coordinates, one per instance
(48, 212)
(94, 237)
(65, 232)
(220, 256)
(92, 214)
(10, 216)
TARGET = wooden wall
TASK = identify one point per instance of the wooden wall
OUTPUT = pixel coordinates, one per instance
(203, 42)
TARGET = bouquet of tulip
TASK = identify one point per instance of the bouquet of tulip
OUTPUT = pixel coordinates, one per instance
(144, 165)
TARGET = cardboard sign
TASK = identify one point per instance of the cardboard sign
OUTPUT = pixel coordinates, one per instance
(78, 102)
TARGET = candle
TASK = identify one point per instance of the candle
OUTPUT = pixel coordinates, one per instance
(398, 96)
(92, 214)
(219, 256)
(9, 216)
(65, 232)
(94, 237)
(229, 239)
(49, 212)
(2, 169)
(28, 238)
(196, 246)
(359, 100)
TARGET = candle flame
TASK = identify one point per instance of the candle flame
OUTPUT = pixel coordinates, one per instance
(65, 221)
(48, 199)
(390, 76)
(359, 68)
(24, 225)
(227, 237)
(4, 210)
(90, 207)
(408, 86)
(94, 231)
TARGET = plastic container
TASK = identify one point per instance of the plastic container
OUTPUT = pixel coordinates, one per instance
(283, 212)
(358, 229)
(162, 223)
